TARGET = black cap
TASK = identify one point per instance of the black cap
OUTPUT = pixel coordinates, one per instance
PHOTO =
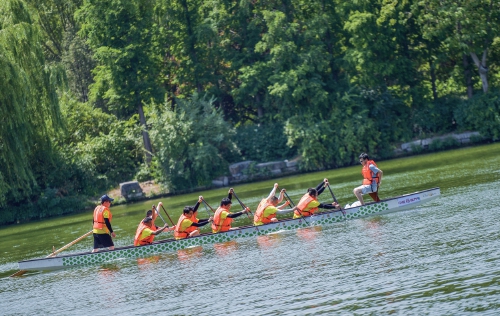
(147, 219)
(105, 198)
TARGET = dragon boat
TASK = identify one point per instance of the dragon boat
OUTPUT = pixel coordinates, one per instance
(396, 204)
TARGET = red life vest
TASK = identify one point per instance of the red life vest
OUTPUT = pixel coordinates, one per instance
(259, 213)
(99, 222)
(369, 175)
(304, 201)
(217, 226)
(178, 234)
(145, 241)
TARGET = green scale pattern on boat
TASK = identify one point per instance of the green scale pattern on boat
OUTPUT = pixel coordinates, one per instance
(139, 252)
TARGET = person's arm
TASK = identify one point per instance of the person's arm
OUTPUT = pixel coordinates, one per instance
(286, 211)
(328, 206)
(230, 194)
(158, 231)
(282, 195)
(321, 187)
(283, 205)
(376, 171)
(108, 225)
(234, 215)
(381, 173)
(201, 222)
(273, 192)
(195, 208)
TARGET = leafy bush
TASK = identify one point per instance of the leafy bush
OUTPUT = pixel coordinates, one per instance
(191, 142)
(481, 113)
(436, 117)
(263, 142)
(416, 149)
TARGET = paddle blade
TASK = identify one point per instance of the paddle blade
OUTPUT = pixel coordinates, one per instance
(18, 273)
(374, 196)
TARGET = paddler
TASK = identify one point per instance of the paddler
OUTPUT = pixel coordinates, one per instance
(309, 203)
(188, 222)
(146, 232)
(102, 229)
(372, 179)
(268, 208)
(223, 217)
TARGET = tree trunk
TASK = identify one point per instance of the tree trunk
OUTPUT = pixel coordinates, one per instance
(145, 135)
(468, 80)
(483, 70)
(433, 80)
(260, 109)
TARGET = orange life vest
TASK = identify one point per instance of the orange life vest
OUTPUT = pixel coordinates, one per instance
(369, 175)
(178, 234)
(304, 201)
(193, 218)
(145, 241)
(217, 226)
(259, 213)
(99, 222)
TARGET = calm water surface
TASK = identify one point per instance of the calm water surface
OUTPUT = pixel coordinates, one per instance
(441, 258)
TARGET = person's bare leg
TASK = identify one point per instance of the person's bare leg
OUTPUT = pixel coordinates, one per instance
(194, 233)
(357, 192)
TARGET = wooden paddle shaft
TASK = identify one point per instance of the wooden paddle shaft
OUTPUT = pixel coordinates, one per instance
(21, 272)
(69, 245)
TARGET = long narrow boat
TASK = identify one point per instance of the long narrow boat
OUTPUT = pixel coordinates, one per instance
(396, 204)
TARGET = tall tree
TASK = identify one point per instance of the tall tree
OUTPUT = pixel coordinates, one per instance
(121, 34)
(469, 27)
(29, 109)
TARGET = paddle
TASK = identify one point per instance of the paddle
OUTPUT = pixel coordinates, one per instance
(167, 214)
(208, 206)
(158, 213)
(243, 205)
(21, 272)
(335, 199)
(374, 195)
(293, 204)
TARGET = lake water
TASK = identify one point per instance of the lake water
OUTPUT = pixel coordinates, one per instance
(440, 258)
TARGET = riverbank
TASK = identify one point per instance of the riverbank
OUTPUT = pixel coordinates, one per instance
(52, 204)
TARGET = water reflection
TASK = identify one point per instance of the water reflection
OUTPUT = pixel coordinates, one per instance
(188, 254)
(225, 248)
(309, 234)
(269, 241)
(146, 262)
(108, 272)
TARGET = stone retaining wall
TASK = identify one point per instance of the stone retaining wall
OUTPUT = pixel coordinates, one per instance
(462, 138)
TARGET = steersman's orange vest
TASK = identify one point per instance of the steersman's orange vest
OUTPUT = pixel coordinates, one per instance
(259, 213)
(178, 234)
(145, 241)
(99, 218)
(304, 201)
(217, 226)
(368, 175)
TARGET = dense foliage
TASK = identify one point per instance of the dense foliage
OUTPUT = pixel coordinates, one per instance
(94, 93)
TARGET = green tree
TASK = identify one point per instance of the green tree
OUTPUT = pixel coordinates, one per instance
(121, 34)
(29, 108)
(466, 27)
(194, 143)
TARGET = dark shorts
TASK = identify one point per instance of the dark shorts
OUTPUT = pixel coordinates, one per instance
(102, 241)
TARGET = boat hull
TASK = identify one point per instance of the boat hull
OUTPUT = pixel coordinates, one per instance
(396, 204)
